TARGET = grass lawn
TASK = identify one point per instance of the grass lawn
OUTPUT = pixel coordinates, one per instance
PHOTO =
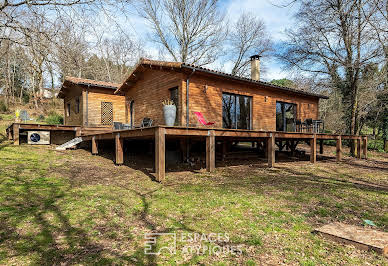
(74, 208)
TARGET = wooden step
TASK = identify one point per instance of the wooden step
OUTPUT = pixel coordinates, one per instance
(361, 237)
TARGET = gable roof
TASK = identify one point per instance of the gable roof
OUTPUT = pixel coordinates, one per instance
(180, 65)
(86, 82)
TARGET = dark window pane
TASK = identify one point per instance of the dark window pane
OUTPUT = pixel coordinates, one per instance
(285, 116)
(243, 112)
(228, 111)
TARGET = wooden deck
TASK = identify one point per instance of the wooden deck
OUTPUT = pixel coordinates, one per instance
(269, 138)
(158, 134)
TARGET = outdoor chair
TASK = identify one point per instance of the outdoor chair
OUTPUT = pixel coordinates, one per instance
(202, 120)
(117, 125)
(147, 122)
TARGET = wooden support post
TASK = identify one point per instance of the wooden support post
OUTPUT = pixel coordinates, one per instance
(271, 150)
(359, 148)
(339, 149)
(94, 146)
(365, 147)
(119, 150)
(265, 143)
(160, 153)
(16, 134)
(211, 151)
(321, 146)
(313, 149)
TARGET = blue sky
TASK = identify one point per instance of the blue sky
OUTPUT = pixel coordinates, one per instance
(277, 20)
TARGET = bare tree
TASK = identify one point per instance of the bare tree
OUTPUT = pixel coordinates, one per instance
(247, 37)
(190, 31)
(333, 39)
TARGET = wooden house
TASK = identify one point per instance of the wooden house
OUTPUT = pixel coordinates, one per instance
(91, 103)
(229, 101)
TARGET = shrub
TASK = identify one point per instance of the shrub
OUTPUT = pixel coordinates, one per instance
(40, 118)
(3, 107)
(54, 119)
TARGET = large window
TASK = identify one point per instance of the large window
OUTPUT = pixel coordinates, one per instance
(285, 116)
(236, 111)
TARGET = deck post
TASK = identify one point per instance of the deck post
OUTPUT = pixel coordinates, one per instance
(271, 150)
(339, 148)
(210, 151)
(119, 149)
(160, 153)
(359, 148)
(94, 146)
(365, 147)
(321, 146)
(15, 130)
(313, 149)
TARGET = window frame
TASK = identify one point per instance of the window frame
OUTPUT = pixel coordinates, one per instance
(236, 95)
(283, 114)
(77, 105)
(68, 106)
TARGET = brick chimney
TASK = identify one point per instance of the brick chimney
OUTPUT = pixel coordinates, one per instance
(255, 67)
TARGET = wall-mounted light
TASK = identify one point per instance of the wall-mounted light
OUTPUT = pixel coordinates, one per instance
(265, 98)
(205, 88)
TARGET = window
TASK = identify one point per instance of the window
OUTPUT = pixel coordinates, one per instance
(174, 95)
(285, 116)
(77, 105)
(236, 111)
(68, 109)
(106, 113)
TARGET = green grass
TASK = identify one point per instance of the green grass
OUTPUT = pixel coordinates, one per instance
(72, 207)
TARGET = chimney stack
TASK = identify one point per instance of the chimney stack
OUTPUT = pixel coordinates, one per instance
(255, 67)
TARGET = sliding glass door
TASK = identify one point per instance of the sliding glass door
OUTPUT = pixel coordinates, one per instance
(285, 116)
(236, 111)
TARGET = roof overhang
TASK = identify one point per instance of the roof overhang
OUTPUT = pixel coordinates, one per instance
(69, 82)
(146, 63)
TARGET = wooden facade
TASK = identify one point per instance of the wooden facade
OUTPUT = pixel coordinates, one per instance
(151, 82)
(91, 103)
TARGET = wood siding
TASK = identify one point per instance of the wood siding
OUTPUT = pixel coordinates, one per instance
(149, 92)
(74, 119)
(206, 97)
(95, 97)
(90, 99)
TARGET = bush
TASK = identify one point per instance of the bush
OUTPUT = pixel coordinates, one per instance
(54, 119)
(3, 107)
(40, 118)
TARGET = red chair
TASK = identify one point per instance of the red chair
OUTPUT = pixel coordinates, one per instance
(202, 120)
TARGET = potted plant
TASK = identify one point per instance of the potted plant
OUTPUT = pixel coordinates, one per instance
(169, 111)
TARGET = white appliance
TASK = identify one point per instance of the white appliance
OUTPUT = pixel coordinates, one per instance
(38, 137)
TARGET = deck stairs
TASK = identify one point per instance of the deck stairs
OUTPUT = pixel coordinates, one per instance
(69, 144)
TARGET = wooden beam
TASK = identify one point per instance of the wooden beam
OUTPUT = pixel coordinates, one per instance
(9, 133)
(321, 146)
(15, 130)
(160, 153)
(359, 148)
(339, 149)
(271, 150)
(94, 146)
(119, 149)
(211, 151)
(365, 147)
(313, 150)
